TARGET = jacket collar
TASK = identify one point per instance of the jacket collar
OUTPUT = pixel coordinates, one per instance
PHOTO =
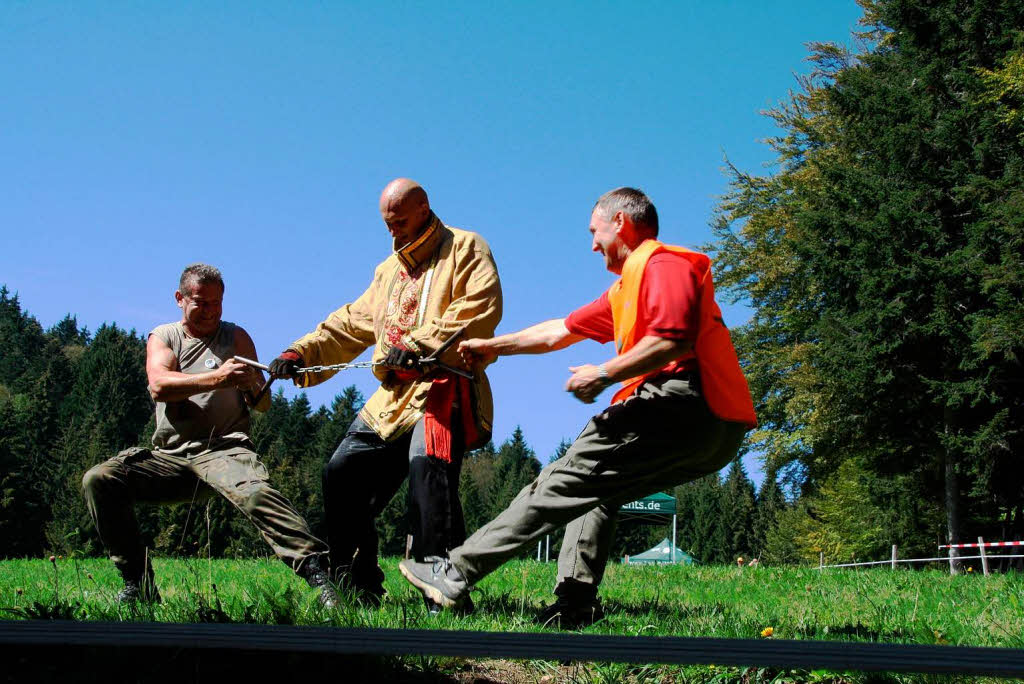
(420, 250)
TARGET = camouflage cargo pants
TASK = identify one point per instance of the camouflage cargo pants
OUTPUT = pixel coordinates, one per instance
(149, 476)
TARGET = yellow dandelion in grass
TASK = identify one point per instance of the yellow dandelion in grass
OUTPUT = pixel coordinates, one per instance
(767, 632)
(970, 569)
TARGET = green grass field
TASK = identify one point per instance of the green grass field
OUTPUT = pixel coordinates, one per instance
(924, 607)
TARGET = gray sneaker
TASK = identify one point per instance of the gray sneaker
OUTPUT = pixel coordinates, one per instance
(439, 580)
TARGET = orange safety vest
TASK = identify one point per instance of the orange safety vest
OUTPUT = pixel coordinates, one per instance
(725, 389)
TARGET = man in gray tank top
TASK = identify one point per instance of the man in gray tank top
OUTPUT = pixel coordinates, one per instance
(201, 443)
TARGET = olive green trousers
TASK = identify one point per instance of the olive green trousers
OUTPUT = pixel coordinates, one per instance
(661, 436)
(139, 475)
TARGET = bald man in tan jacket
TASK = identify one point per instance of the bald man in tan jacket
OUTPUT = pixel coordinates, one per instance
(421, 419)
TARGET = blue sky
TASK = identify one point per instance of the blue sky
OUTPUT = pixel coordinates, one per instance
(138, 137)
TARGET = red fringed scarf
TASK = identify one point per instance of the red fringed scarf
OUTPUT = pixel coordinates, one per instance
(437, 419)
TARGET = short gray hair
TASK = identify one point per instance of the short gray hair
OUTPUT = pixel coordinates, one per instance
(199, 274)
(631, 202)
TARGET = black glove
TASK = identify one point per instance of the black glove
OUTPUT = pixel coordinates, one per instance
(285, 365)
(402, 359)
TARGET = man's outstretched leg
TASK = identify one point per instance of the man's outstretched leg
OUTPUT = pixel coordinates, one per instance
(239, 476)
(631, 449)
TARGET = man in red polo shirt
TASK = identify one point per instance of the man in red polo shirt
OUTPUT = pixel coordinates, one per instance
(681, 413)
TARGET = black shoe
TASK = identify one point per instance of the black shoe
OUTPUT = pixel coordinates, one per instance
(135, 591)
(370, 596)
(317, 577)
(368, 591)
(569, 614)
(438, 580)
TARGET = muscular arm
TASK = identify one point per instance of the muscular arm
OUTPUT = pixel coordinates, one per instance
(541, 338)
(245, 347)
(166, 383)
(649, 354)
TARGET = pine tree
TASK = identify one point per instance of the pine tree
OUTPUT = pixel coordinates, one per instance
(476, 482)
(737, 511)
(67, 333)
(701, 531)
(110, 399)
(843, 522)
(561, 450)
(13, 485)
(22, 341)
(393, 523)
(516, 466)
(49, 471)
(770, 504)
(329, 434)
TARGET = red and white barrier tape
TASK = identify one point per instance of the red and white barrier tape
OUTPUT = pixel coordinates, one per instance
(986, 544)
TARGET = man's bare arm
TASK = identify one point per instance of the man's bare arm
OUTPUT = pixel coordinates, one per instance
(247, 348)
(649, 354)
(167, 383)
(542, 338)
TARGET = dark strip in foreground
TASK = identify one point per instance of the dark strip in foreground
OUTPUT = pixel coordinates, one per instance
(808, 655)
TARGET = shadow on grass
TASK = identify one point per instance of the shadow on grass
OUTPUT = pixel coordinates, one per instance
(114, 664)
(509, 605)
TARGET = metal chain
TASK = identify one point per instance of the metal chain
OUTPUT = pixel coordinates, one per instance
(339, 367)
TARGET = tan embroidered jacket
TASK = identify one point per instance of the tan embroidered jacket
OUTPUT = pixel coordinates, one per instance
(460, 286)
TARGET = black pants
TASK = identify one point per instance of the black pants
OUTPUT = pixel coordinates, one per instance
(361, 478)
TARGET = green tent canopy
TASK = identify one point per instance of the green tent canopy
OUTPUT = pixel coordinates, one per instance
(661, 553)
(655, 509)
(653, 505)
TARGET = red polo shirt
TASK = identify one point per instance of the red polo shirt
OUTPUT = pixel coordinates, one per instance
(669, 299)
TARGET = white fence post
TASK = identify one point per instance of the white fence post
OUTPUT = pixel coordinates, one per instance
(674, 537)
(894, 556)
(539, 542)
(984, 558)
(821, 559)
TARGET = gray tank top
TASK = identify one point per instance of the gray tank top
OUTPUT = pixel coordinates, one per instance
(211, 420)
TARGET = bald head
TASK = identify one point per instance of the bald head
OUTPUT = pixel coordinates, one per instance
(405, 209)
(402, 190)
